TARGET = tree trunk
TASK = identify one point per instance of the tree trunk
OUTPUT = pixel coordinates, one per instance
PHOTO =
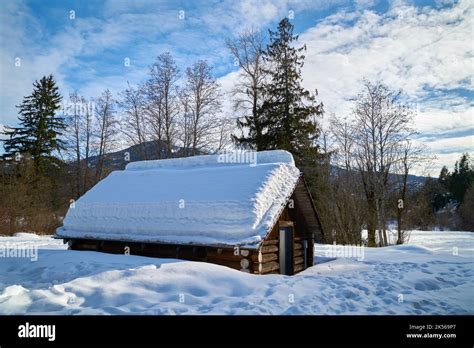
(371, 236)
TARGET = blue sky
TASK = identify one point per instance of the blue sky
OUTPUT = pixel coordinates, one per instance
(423, 47)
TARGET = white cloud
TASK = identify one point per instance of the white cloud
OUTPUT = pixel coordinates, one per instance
(138, 30)
(425, 51)
(407, 48)
(417, 50)
(452, 145)
(61, 54)
(422, 51)
(442, 121)
(227, 84)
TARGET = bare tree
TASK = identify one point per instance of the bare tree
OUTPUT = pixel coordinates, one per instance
(154, 115)
(247, 51)
(223, 138)
(106, 125)
(74, 122)
(78, 115)
(185, 127)
(87, 133)
(201, 100)
(410, 156)
(342, 134)
(382, 123)
(133, 123)
(348, 207)
(163, 96)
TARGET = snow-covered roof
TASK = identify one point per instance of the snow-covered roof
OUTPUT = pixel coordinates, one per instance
(232, 199)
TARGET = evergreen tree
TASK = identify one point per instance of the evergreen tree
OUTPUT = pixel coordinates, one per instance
(444, 177)
(461, 178)
(466, 209)
(288, 111)
(458, 181)
(39, 127)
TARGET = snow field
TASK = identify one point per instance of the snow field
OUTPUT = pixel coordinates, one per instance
(423, 277)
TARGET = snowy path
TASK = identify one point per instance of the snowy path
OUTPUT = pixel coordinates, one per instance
(423, 277)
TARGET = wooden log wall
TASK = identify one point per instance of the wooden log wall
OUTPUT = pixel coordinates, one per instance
(265, 260)
(298, 253)
(237, 258)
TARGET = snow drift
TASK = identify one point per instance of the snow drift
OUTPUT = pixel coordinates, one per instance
(195, 200)
(401, 280)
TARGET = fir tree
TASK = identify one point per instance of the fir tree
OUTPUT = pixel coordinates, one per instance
(461, 178)
(444, 176)
(456, 182)
(39, 127)
(288, 111)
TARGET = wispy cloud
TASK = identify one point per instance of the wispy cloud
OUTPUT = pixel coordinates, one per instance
(425, 50)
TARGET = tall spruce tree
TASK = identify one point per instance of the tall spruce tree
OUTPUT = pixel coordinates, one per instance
(289, 111)
(39, 127)
(462, 177)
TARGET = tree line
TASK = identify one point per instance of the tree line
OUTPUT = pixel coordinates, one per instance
(448, 200)
(357, 167)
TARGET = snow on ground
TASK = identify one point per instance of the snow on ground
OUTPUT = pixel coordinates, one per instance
(433, 274)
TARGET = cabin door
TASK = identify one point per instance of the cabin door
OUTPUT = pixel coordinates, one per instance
(286, 249)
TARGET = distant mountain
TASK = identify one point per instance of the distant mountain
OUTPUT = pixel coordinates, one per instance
(150, 150)
(119, 159)
(416, 179)
(412, 180)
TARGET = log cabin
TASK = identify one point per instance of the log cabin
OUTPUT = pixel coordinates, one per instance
(255, 216)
